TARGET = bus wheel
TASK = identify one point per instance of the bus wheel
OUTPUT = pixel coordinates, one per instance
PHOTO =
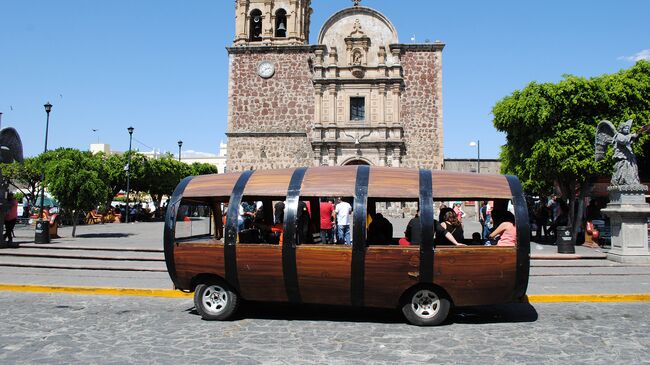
(425, 307)
(215, 300)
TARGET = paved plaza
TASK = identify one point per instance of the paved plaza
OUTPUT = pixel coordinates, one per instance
(55, 328)
(59, 328)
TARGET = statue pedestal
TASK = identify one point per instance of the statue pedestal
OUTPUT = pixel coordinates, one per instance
(628, 213)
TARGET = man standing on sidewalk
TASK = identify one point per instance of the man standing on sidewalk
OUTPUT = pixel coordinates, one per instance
(326, 213)
(343, 211)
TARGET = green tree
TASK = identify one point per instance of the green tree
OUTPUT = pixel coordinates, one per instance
(198, 168)
(161, 176)
(72, 178)
(550, 128)
(26, 177)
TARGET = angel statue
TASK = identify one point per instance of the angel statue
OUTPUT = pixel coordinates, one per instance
(625, 168)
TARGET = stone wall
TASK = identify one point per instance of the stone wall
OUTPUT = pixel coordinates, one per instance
(266, 152)
(259, 109)
(421, 107)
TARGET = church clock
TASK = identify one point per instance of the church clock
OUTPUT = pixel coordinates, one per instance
(266, 69)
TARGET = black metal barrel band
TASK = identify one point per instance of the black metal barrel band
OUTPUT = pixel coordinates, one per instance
(523, 235)
(230, 239)
(170, 227)
(289, 265)
(359, 235)
(426, 224)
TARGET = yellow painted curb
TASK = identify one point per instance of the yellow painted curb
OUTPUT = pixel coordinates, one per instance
(168, 293)
(163, 293)
(570, 298)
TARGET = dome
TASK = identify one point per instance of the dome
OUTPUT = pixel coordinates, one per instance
(363, 21)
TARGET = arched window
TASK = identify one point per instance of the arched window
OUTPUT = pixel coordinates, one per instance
(281, 23)
(256, 26)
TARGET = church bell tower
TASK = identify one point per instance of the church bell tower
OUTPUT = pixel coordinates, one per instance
(272, 22)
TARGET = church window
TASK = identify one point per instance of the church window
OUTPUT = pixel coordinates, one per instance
(357, 108)
(256, 26)
(281, 23)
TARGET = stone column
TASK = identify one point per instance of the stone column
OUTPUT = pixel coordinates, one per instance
(317, 107)
(331, 88)
(381, 114)
(332, 156)
(395, 88)
(382, 156)
(628, 213)
(397, 156)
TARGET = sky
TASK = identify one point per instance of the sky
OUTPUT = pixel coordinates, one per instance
(161, 66)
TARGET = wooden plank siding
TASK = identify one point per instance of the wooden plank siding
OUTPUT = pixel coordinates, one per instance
(471, 275)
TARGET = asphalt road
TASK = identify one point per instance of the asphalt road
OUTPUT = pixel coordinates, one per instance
(62, 329)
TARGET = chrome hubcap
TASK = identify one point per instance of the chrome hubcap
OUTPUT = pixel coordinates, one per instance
(214, 299)
(425, 303)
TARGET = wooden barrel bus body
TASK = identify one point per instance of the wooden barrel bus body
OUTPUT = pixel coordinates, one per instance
(200, 247)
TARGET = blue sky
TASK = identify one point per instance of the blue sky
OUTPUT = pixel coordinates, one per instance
(161, 65)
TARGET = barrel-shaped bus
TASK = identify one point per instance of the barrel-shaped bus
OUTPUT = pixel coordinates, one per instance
(247, 236)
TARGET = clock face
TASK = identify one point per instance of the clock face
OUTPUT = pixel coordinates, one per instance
(266, 69)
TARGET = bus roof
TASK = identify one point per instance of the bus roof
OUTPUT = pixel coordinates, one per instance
(383, 182)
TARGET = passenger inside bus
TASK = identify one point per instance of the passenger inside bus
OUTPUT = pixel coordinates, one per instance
(505, 232)
(449, 221)
(413, 233)
(380, 230)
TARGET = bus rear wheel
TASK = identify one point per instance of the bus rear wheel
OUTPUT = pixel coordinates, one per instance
(425, 307)
(215, 300)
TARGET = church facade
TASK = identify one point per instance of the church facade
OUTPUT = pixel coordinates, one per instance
(357, 96)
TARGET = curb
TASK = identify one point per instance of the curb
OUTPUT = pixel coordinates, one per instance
(161, 293)
(168, 293)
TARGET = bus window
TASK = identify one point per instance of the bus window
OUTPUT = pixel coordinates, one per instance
(260, 220)
(387, 221)
(324, 220)
(195, 220)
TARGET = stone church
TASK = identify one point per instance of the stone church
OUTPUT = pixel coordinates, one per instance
(357, 96)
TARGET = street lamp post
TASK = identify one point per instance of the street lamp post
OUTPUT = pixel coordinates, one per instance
(180, 144)
(128, 175)
(477, 144)
(42, 232)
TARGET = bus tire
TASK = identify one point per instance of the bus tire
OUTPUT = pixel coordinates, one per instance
(425, 306)
(215, 300)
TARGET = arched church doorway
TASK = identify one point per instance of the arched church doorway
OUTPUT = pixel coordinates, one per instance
(356, 161)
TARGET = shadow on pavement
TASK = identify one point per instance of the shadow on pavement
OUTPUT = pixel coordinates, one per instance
(103, 235)
(502, 313)
(505, 313)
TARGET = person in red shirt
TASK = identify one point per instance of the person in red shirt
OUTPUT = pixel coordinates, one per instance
(326, 209)
(10, 219)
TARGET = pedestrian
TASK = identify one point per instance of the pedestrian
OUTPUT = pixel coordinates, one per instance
(484, 218)
(326, 216)
(343, 211)
(541, 220)
(460, 214)
(11, 215)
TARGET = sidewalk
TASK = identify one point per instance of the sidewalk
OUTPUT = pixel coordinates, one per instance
(119, 256)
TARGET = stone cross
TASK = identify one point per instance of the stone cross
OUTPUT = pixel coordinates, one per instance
(356, 2)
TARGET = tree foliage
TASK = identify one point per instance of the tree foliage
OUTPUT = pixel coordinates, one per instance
(161, 175)
(198, 168)
(550, 127)
(25, 176)
(72, 177)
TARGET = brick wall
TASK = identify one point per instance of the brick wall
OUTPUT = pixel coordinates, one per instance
(267, 152)
(421, 109)
(283, 103)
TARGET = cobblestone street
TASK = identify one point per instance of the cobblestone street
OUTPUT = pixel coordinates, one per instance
(59, 328)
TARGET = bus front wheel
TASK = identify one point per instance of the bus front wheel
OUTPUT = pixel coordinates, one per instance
(215, 300)
(424, 306)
